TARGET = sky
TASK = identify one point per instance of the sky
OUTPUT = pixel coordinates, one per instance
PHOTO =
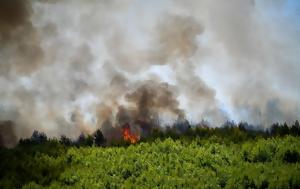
(74, 66)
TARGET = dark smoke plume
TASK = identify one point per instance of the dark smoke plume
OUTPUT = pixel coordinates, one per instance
(144, 103)
(19, 41)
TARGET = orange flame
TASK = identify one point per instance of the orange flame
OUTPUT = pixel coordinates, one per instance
(128, 136)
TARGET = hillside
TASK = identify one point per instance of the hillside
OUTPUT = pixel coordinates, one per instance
(200, 163)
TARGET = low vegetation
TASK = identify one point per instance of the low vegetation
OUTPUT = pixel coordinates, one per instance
(227, 157)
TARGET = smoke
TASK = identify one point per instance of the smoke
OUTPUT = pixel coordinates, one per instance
(176, 44)
(142, 106)
(19, 41)
(68, 67)
(7, 136)
(175, 38)
(250, 60)
(152, 98)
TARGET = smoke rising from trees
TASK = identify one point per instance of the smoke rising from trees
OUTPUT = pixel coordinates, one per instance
(69, 67)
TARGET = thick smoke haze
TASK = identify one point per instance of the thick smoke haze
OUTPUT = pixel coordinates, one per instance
(68, 67)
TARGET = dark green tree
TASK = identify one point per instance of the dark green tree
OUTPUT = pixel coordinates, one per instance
(295, 129)
(99, 138)
(38, 137)
(64, 140)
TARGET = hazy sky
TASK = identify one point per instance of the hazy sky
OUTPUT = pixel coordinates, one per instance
(67, 66)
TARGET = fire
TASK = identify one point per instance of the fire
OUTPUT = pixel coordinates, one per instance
(128, 136)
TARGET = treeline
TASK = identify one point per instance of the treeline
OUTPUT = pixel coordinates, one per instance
(37, 137)
(228, 132)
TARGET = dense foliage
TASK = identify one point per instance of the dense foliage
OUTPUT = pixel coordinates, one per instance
(200, 162)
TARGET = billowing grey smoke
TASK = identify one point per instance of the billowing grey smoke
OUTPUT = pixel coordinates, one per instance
(21, 52)
(68, 67)
(142, 107)
(151, 98)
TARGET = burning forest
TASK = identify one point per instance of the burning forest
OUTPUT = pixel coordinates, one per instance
(149, 94)
(67, 70)
(129, 135)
